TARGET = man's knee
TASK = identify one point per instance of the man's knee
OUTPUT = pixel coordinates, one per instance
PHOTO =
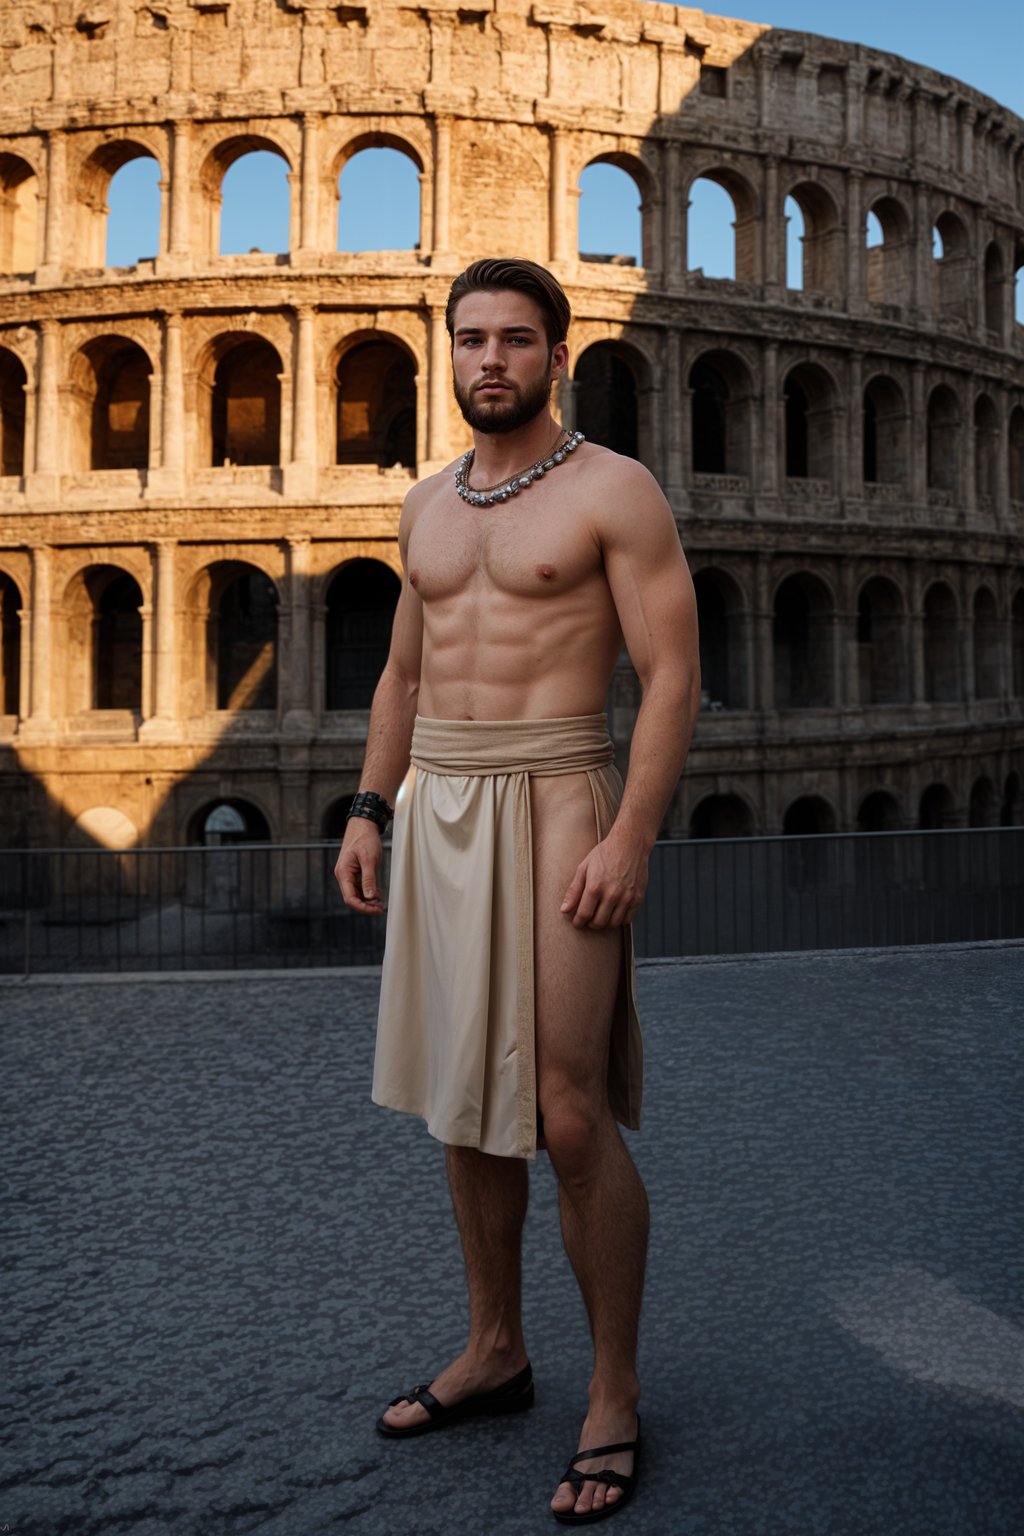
(572, 1125)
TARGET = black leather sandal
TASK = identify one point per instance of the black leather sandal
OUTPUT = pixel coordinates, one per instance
(513, 1396)
(623, 1480)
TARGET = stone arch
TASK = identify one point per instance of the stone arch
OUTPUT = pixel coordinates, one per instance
(19, 215)
(220, 823)
(10, 646)
(1016, 449)
(239, 606)
(811, 418)
(221, 157)
(368, 143)
(109, 398)
(726, 815)
(92, 184)
(889, 257)
(722, 614)
(238, 385)
(983, 806)
(1017, 644)
(885, 434)
(883, 669)
(745, 220)
(986, 450)
(809, 815)
(375, 390)
(937, 808)
(944, 448)
(821, 241)
(102, 612)
(995, 300)
(134, 213)
(940, 616)
(612, 397)
(643, 253)
(987, 645)
(802, 642)
(13, 384)
(722, 410)
(951, 267)
(360, 603)
(879, 811)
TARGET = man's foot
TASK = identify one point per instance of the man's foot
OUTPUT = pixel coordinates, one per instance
(464, 1388)
(591, 1499)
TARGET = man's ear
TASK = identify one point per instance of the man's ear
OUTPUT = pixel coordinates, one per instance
(559, 358)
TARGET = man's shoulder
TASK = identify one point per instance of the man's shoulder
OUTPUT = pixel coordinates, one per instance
(613, 483)
(616, 469)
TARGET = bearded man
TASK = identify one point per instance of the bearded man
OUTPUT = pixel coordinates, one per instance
(507, 1014)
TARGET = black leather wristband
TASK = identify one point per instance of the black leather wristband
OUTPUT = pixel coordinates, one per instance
(372, 806)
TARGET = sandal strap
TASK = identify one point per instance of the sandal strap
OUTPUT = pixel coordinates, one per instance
(604, 1450)
(424, 1397)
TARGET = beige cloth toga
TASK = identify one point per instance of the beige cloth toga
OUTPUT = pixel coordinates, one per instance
(455, 1033)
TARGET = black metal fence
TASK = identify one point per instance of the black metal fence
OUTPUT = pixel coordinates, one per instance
(276, 905)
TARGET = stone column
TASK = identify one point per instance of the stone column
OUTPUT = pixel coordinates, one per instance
(310, 184)
(848, 692)
(558, 243)
(675, 428)
(566, 400)
(969, 478)
(298, 700)
(1001, 479)
(967, 690)
(300, 474)
(916, 618)
(921, 274)
(764, 616)
(148, 661)
(437, 419)
(918, 437)
(40, 680)
(169, 478)
(180, 245)
(852, 481)
(25, 662)
(773, 225)
(442, 184)
(856, 299)
(165, 670)
(56, 199)
(44, 484)
(770, 418)
(672, 260)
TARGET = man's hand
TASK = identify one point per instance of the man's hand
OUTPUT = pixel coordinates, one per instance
(358, 865)
(608, 887)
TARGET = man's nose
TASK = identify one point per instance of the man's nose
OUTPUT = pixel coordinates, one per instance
(494, 356)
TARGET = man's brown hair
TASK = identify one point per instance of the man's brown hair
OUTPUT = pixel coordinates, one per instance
(494, 273)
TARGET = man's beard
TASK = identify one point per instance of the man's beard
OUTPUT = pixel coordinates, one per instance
(499, 416)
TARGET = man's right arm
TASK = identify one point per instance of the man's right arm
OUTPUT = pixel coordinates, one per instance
(389, 739)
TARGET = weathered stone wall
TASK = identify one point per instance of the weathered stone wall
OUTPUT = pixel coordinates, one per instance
(501, 104)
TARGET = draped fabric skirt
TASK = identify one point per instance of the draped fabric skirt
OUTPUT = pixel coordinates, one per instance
(455, 1034)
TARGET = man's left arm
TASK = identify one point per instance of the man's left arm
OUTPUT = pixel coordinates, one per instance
(653, 594)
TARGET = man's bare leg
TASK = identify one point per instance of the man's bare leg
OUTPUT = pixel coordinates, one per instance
(602, 1200)
(489, 1196)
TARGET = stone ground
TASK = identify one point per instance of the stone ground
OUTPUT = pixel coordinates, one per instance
(220, 1262)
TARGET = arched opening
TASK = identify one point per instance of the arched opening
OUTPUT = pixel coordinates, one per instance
(13, 383)
(1017, 643)
(376, 424)
(879, 812)
(720, 618)
(1016, 444)
(118, 676)
(109, 394)
(1010, 810)
(986, 450)
(943, 446)
(807, 816)
(335, 819)
(802, 643)
(133, 222)
(888, 252)
(941, 646)
(722, 227)
(721, 816)
(607, 398)
(812, 239)
(361, 601)
(610, 214)
(937, 809)
(882, 664)
(994, 299)
(721, 400)
(247, 191)
(19, 205)
(951, 268)
(810, 424)
(986, 645)
(885, 433)
(241, 639)
(10, 647)
(240, 401)
(224, 822)
(379, 199)
(983, 810)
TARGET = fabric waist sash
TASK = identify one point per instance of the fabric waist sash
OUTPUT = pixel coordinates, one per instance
(547, 748)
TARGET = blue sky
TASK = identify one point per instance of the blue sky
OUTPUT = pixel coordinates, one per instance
(981, 43)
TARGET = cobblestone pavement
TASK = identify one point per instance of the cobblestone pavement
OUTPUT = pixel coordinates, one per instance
(221, 1261)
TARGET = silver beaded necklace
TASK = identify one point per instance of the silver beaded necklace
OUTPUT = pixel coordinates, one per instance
(516, 483)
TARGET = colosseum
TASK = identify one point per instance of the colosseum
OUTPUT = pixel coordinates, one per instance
(204, 455)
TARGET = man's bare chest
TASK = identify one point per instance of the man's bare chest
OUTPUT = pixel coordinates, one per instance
(519, 549)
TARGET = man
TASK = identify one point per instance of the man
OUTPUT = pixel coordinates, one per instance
(507, 1018)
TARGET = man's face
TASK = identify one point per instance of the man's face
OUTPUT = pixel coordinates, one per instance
(502, 365)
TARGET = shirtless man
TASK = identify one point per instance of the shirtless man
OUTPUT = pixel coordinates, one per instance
(515, 611)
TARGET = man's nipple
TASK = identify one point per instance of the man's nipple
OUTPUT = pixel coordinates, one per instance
(546, 572)
(414, 578)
